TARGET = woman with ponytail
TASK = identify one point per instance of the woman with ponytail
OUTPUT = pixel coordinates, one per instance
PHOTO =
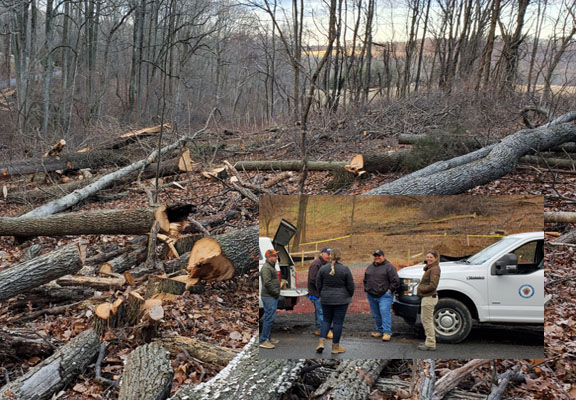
(427, 291)
(336, 287)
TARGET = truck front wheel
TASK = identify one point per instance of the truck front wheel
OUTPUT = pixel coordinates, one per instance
(452, 321)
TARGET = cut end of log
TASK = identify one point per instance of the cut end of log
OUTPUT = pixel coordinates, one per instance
(187, 280)
(216, 174)
(162, 218)
(105, 270)
(356, 164)
(207, 262)
(185, 163)
(104, 311)
(84, 149)
(56, 149)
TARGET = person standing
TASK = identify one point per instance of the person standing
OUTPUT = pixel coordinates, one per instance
(270, 293)
(313, 293)
(336, 287)
(427, 291)
(380, 282)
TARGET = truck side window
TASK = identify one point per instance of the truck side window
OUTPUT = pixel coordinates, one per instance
(529, 256)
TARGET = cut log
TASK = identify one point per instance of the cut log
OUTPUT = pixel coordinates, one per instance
(475, 142)
(148, 374)
(352, 380)
(39, 195)
(112, 222)
(560, 216)
(387, 161)
(288, 165)
(66, 162)
(92, 281)
(57, 371)
(222, 256)
(126, 261)
(205, 352)
(549, 162)
(51, 294)
(107, 180)
(159, 284)
(482, 166)
(246, 378)
(40, 270)
(389, 388)
(449, 381)
(19, 343)
(216, 174)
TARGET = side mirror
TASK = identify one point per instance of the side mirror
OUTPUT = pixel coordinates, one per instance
(506, 265)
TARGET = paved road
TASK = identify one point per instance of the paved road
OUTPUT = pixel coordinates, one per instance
(297, 341)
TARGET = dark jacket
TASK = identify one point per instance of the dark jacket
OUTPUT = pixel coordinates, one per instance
(270, 282)
(312, 273)
(429, 282)
(378, 278)
(335, 289)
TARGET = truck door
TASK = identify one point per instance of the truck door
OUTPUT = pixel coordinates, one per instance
(519, 297)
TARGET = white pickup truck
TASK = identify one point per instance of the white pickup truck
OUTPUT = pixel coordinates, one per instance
(504, 283)
(285, 266)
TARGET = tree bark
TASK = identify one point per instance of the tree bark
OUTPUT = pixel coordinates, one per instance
(223, 256)
(288, 165)
(560, 216)
(148, 374)
(246, 378)
(54, 373)
(111, 222)
(482, 166)
(205, 352)
(30, 274)
(352, 380)
(68, 161)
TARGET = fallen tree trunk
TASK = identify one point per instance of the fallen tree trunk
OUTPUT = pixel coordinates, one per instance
(482, 166)
(19, 343)
(352, 380)
(560, 216)
(111, 222)
(473, 141)
(246, 378)
(95, 282)
(223, 256)
(288, 165)
(68, 161)
(387, 161)
(205, 352)
(107, 180)
(54, 373)
(148, 374)
(549, 161)
(40, 270)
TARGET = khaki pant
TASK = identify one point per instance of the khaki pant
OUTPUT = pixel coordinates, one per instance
(427, 316)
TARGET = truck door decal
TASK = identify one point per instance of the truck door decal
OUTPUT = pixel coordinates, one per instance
(526, 291)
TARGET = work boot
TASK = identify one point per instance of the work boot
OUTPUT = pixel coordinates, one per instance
(317, 333)
(320, 347)
(329, 335)
(386, 337)
(267, 345)
(274, 341)
(336, 348)
(423, 347)
(376, 334)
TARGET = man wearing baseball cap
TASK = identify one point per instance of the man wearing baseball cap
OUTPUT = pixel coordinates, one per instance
(270, 293)
(380, 282)
(313, 293)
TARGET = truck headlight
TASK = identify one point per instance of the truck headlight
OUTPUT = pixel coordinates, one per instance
(411, 286)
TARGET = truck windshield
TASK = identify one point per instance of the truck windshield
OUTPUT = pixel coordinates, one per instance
(490, 251)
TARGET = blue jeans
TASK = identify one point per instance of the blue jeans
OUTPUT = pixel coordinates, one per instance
(270, 305)
(333, 316)
(380, 310)
(318, 314)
